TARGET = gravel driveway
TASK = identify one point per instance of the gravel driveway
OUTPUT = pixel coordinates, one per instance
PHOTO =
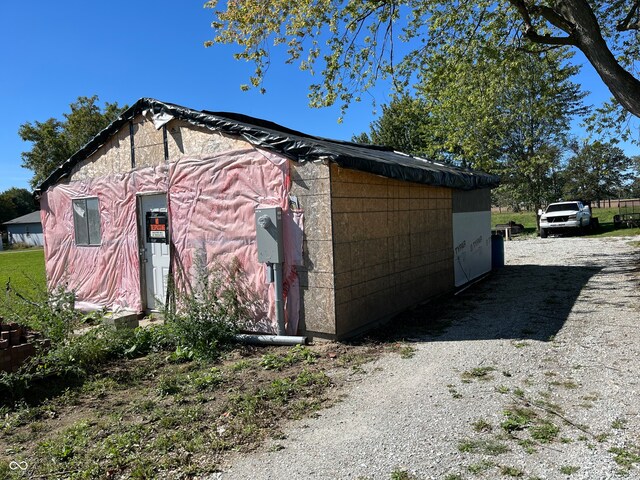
(536, 375)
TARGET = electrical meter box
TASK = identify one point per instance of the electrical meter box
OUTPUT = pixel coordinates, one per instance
(157, 227)
(269, 235)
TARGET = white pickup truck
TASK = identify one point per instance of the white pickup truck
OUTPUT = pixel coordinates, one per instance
(564, 217)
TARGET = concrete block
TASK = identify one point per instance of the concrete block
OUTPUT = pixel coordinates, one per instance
(18, 353)
(308, 171)
(342, 280)
(317, 217)
(315, 279)
(339, 174)
(346, 204)
(343, 295)
(315, 186)
(122, 319)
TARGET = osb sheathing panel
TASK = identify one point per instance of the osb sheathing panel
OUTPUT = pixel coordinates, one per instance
(113, 157)
(185, 139)
(310, 183)
(148, 143)
(392, 245)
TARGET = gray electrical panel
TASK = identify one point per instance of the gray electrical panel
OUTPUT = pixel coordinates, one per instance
(269, 235)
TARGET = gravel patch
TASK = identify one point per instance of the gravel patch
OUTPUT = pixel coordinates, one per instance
(536, 376)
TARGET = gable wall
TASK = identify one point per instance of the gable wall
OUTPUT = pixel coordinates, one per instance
(183, 139)
(230, 177)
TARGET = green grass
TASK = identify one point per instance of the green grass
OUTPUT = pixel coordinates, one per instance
(25, 270)
(149, 417)
(604, 215)
(569, 469)
(478, 373)
(486, 447)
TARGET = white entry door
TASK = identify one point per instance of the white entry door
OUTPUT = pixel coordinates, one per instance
(155, 257)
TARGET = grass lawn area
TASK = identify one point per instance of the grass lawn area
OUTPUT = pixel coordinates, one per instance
(25, 268)
(604, 216)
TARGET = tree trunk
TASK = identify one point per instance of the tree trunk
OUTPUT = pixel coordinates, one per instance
(576, 17)
(624, 87)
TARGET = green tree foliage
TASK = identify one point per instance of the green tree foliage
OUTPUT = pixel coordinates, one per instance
(404, 126)
(15, 202)
(354, 44)
(54, 141)
(597, 171)
(505, 115)
(634, 187)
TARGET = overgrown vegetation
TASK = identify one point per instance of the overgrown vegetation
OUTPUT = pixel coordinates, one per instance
(150, 402)
(203, 321)
(202, 327)
(152, 417)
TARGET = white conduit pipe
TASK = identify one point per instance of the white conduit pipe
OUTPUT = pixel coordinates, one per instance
(271, 339)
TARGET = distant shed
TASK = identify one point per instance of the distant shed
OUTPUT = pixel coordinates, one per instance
(26, 230)
(368, 232)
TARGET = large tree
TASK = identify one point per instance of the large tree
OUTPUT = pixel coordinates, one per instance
(505, 115)
(15, 202)
(54, 141)
(597, 171)
(404, 125)
(355, 43)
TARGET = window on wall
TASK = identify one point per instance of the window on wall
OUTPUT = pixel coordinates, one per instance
(86, 221)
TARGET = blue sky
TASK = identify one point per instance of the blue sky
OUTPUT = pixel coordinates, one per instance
(54, 52)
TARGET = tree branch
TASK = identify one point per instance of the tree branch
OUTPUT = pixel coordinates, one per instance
(548, 48)
(523, 11)
(531, 34)
(627, 24)
(554, 18)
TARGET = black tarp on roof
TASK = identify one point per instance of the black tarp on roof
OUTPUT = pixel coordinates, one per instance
(293, 144)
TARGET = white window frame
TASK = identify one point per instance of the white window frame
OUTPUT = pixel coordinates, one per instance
(84, 222)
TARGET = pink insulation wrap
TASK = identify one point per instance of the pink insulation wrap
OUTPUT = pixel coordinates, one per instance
(211, 203)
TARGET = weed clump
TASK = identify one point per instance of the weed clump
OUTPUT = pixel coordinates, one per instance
(204, 321)
(297, 354)
(51, 313)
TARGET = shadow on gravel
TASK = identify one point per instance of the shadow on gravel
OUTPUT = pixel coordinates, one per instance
(518, 302)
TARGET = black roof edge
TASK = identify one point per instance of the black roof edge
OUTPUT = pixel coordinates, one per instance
(296, 145)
